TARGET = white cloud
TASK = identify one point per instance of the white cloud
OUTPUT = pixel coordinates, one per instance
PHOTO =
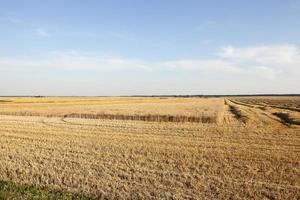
(21, 23)
(233, 70)
(213, 65)
(71, 60)
(205, 25)
(282, 59)
(14, 20)
(42, 32)
(262, 61)
(207, 41)
(273, 55)
(271, 62)
(11, 18)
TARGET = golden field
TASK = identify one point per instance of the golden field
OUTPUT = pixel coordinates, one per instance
(246, 151)
(113, 105)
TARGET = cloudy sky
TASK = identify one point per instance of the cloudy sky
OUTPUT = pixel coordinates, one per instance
(130, 47)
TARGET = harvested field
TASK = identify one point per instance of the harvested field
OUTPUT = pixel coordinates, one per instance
(292, 102)
(144, 109)
(286, 111)
(257, 158)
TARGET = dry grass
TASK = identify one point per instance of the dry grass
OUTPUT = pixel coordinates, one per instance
(122, 159)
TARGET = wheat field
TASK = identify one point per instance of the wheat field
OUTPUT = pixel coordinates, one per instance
(238, 148)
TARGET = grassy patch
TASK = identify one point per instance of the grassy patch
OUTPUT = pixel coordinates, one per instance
(237, 113)
(5, 101)
(286, 119)
(10, 190)
(262, 108)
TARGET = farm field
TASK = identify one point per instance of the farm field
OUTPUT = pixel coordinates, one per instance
(153, 109)
(150, 148)
(283, 101)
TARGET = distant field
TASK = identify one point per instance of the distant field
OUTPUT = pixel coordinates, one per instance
(154, 109)
(292, 102)
(285, 108)
(249, 149)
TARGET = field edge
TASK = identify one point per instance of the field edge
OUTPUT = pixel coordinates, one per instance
(10, 190)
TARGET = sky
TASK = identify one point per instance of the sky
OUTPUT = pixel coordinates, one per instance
(142, 47)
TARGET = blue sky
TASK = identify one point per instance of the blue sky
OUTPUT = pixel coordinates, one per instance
(129, 47)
